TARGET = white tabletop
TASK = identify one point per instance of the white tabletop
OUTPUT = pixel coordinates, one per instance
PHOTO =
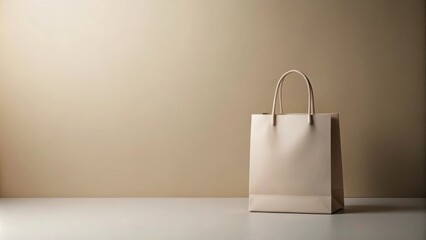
(204, 218)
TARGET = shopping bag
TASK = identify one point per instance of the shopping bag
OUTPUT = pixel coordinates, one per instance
(295, 159)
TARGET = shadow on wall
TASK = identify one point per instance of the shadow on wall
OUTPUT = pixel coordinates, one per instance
(1, 178)
(383, 153)
(394, 167)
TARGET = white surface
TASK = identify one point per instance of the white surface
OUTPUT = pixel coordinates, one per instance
(204, 218)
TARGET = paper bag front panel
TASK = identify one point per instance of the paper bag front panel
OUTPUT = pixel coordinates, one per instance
(290, 164)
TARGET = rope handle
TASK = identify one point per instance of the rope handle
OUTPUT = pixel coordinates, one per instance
(278, 92)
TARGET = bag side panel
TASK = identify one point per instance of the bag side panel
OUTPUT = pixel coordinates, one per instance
(338, 201)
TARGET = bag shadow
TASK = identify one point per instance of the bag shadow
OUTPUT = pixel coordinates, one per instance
(352, 209)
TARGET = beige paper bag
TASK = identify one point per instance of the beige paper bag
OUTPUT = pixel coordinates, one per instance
(295, 160)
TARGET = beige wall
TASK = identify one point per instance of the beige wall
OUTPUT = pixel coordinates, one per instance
(153, 98)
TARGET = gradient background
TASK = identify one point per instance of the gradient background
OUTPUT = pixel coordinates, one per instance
(153, 98)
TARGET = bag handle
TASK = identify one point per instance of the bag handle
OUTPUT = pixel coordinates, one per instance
(278, 91)
(280, 97)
